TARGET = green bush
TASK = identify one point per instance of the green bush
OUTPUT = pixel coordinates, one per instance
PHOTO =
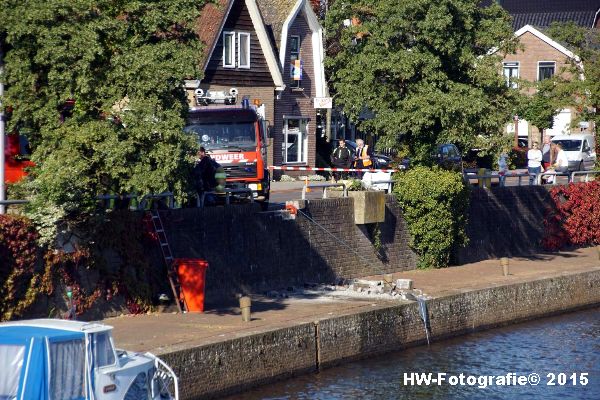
(434, 203)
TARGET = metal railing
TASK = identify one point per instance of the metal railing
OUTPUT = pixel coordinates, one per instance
(12, 202)
(550, 175)
(141, 204)
(228, 192)
(485, 180)
(324, 186)
(587, 174)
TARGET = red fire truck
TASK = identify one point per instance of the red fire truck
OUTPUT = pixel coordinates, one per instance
(235, 137)
(16, 159)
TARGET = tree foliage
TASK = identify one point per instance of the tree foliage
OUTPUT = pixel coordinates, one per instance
(550, 96)
(585, 43)
(426, 69)
(435, 204)
(96, 84)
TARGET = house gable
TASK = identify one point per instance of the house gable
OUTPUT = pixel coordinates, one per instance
(243, 18)
(539, 48)
(283, 16)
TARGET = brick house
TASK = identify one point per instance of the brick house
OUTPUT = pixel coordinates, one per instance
(297, 36)
(540, 58)
(238, 53)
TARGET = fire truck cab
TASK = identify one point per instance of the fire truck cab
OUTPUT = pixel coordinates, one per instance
(236, 138)
(16, 159)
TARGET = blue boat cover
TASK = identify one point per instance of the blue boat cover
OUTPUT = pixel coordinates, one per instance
(33, 379)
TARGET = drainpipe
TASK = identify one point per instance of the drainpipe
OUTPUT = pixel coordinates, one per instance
(2, 137)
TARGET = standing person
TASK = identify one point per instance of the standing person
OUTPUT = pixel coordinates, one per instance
(534, 162)
(503, 166)
(547, 153)
(204, 173)
(341, 158)
(362, 157)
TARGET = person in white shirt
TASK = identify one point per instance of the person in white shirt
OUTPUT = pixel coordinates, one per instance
(534, 162)
(562, 162)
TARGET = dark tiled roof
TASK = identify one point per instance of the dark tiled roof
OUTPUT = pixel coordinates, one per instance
(274, 13)
(582, 18)
(548, 6)
(544, 12)
(209, 25)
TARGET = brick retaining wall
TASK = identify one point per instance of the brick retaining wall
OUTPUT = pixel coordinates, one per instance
(232, 366)
(504, 222)
(249, 251)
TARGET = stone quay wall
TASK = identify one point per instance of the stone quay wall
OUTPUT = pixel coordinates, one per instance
(232, 366)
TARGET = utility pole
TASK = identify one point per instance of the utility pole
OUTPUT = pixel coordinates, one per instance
(2, 135)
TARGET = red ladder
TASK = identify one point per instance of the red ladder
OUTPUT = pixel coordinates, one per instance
(168, 258)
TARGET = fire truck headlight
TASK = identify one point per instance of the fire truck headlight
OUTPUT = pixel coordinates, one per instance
(255, 186)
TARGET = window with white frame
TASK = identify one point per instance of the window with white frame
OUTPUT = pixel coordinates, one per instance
(295, 142)
(229, 49)
(511, 73)
(243, 50)
(295, 61)
(546, 70)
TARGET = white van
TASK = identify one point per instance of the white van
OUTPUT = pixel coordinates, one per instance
(580, 149)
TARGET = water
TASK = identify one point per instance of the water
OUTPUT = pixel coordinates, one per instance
(567, 344)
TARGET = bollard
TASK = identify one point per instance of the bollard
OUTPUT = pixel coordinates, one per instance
(245, 304)
(485, 183)
(504, 262)
(163, 302)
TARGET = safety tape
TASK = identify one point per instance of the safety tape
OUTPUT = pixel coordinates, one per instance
(331, 169)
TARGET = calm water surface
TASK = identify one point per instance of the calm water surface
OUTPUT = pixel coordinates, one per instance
(568, 344)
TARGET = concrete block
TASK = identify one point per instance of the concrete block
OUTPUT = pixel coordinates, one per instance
(369, 207)
(404, 284)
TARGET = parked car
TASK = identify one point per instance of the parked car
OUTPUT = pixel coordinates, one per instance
(448, 157)
(580, 150)
(379, 160)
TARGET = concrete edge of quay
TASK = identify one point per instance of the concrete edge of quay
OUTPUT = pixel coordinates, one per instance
(231, 366)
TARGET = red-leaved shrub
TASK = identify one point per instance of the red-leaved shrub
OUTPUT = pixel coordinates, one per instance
(575, 219)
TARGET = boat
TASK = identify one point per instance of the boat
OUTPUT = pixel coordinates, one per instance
(52, 359)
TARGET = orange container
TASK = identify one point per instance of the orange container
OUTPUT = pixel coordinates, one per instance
(192, 277)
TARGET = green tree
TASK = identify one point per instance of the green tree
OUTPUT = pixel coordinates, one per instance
(97, 84)
(550, 96)
(585, 43)
(425, 68)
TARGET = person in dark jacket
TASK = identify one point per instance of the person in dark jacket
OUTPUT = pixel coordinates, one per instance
(204, 172)
(341, 158)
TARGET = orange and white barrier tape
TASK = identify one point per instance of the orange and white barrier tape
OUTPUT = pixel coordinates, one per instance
(273, 167)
